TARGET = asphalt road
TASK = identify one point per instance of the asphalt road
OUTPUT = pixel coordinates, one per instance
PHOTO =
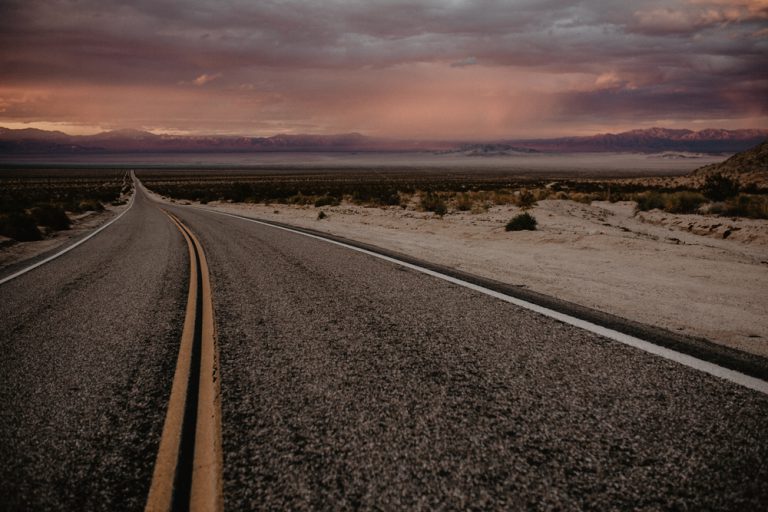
(88, 345)
(349, 382)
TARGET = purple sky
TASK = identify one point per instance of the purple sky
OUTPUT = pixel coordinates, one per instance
(427, 69)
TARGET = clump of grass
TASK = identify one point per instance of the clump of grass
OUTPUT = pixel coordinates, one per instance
(432, 202)
(522, 222)
(19, 226)
(321, 215)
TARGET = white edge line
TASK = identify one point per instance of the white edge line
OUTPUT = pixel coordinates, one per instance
(666, 353)
(69, 248)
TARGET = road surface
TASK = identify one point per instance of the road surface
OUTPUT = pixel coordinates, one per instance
(348, 382)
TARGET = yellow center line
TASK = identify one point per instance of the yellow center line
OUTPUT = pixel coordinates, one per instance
(203, 490)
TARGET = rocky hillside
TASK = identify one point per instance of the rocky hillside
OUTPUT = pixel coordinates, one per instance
(748, 167)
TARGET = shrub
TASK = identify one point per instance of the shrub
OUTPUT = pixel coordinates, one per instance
(683, 202)
(649, 201)
(300, 199)
(522, 222)
(50, 216)
(321, 215)
(744, 205)
(432, 202)
(464, 202)
(19, 226)
(719, 188)
(327, 201)
(525, 199)
(90, 205)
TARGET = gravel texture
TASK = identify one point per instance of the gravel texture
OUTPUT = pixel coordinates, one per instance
(89, 344)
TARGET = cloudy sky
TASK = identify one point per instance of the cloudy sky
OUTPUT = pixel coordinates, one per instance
(419, 69)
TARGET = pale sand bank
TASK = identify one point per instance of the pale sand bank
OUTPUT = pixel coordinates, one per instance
(673, 271)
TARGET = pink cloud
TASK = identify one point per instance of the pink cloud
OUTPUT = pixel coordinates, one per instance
(205, 78)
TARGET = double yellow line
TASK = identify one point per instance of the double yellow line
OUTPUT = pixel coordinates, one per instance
(188, 468)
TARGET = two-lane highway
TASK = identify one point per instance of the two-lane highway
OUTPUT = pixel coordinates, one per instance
(347, 382)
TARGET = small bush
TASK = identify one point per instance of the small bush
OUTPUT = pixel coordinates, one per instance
(464, 202)
(521, 222)
(719, 188)
(50, 216)
(525, 199)
(321, 215)
(431, 202)
(90, 205)
(684, 202)
(19, 226)
(327, 201)
(755, 207)
(300, 199)
(649, 201)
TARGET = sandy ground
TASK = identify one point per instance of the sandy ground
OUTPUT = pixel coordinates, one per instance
(12, 252)
(674, 271)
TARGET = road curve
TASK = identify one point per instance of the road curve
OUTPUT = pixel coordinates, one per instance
(347, 382)
(351, 382)
(89, 343)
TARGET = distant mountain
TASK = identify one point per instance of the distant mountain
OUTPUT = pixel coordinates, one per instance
(490, 150)
(747, 167)
(136, 141)
(653, 140)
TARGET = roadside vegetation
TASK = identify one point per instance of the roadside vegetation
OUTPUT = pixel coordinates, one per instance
(34, 204)
(522, 222)
(453, 192)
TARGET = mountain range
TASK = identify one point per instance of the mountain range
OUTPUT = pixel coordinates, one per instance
(653, 140)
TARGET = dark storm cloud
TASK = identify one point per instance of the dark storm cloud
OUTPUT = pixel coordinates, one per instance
(153, 36)
(645, 56)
